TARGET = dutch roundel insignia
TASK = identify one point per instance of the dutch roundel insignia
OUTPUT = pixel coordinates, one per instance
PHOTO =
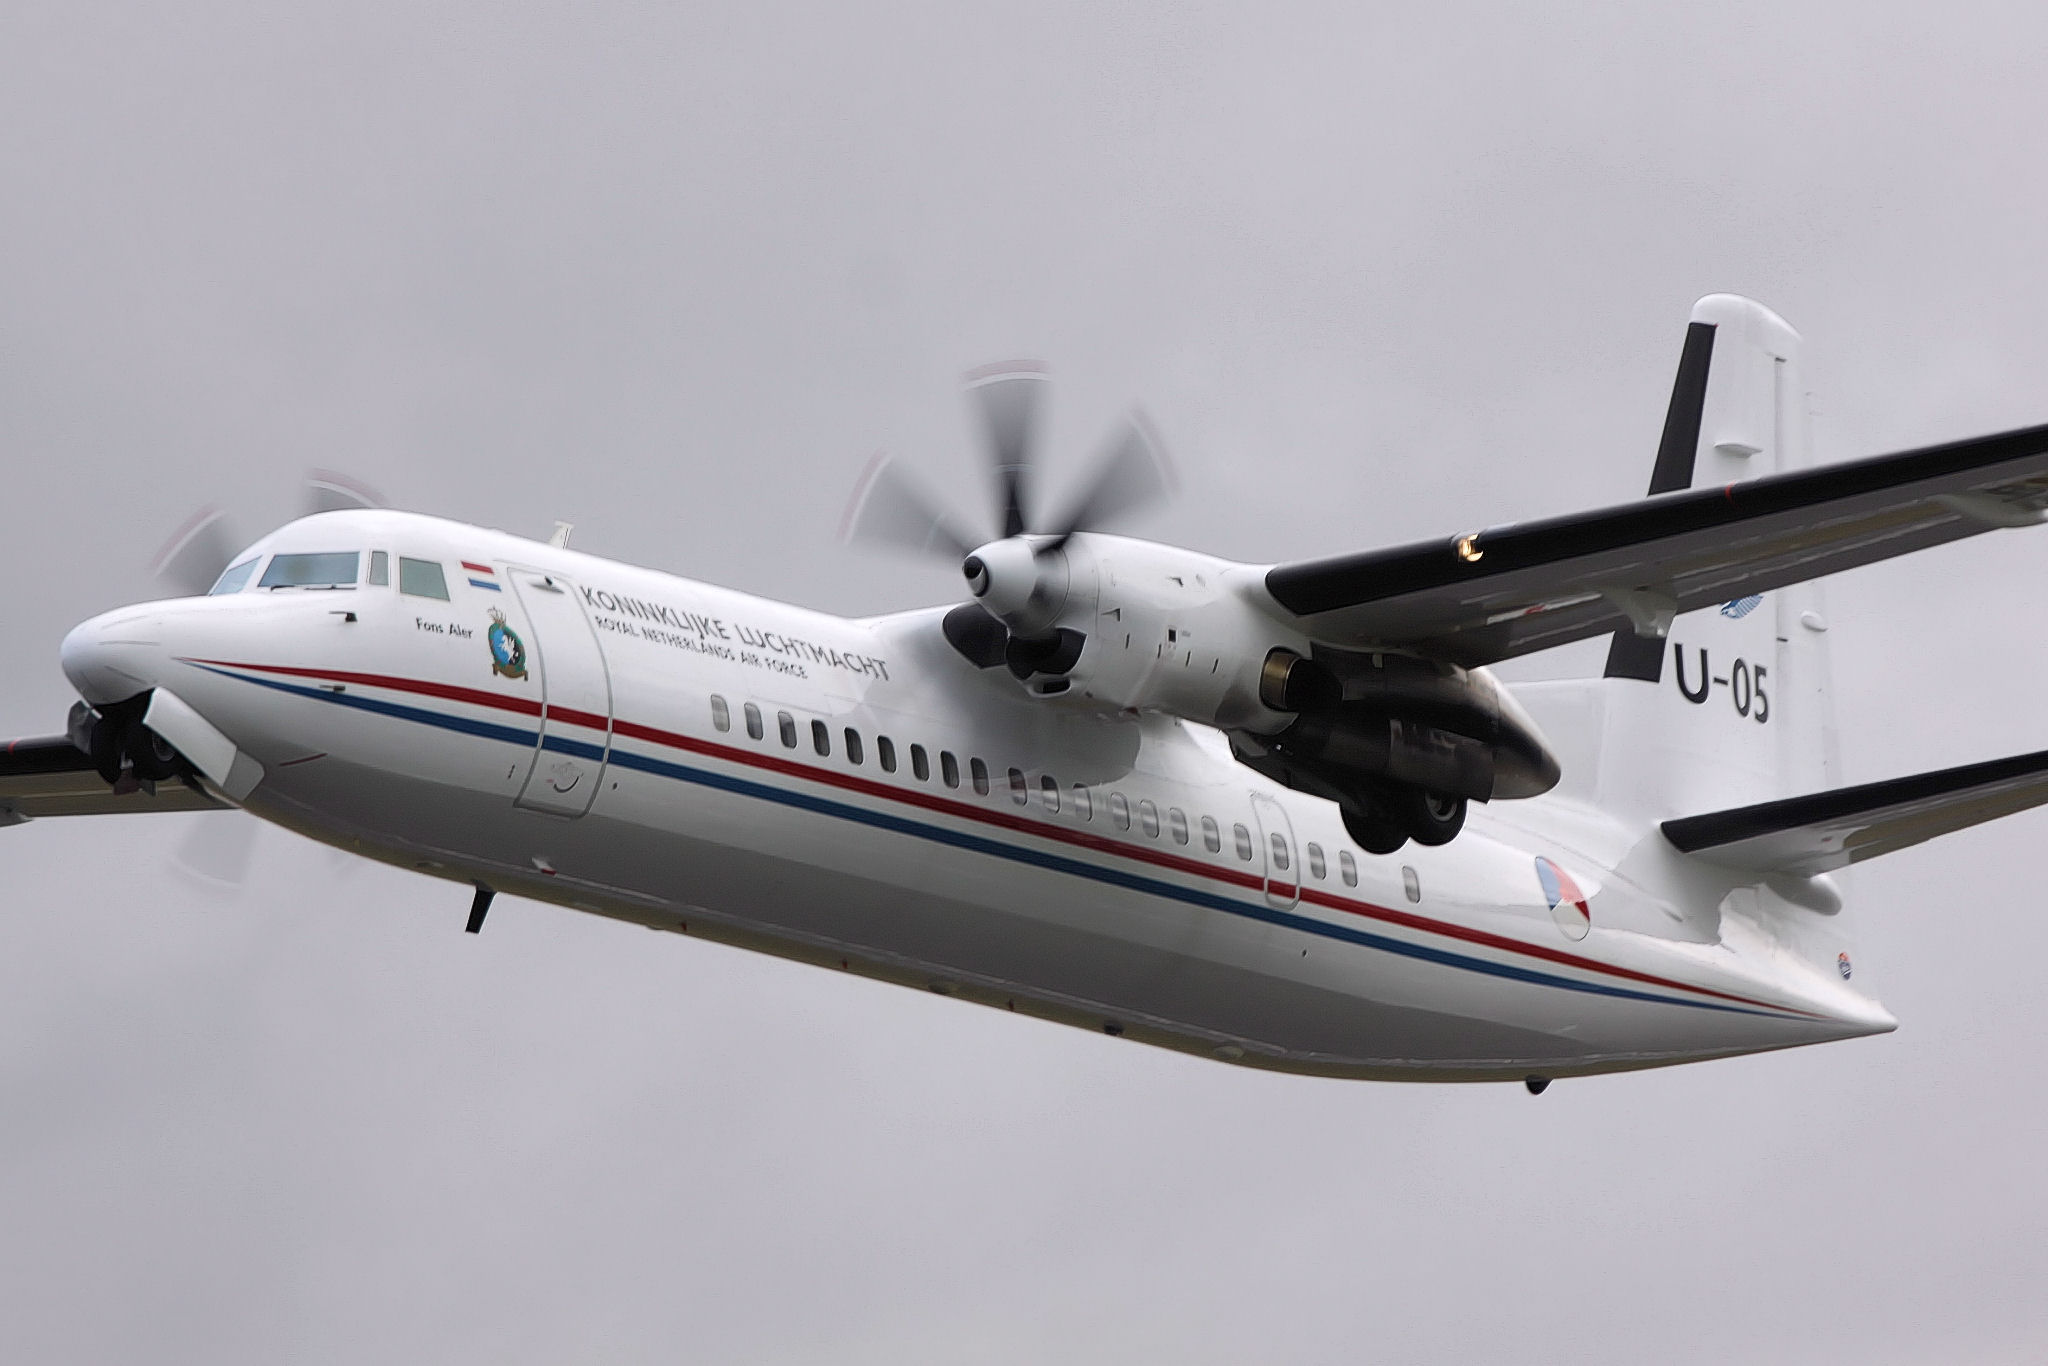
(508, 652)
(1567, 903)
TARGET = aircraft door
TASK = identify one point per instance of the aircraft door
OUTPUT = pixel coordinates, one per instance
(1276, 846)
(576, 694)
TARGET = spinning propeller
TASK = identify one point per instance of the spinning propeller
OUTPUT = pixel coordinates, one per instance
(1019, 579)
(217, 849)
(198, 551)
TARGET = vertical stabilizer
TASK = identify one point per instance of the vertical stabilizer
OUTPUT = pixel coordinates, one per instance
(1732, 706)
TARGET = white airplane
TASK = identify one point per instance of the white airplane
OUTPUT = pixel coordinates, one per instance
(1281, 816)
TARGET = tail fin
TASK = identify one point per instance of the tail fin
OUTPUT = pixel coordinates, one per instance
(1732, 708)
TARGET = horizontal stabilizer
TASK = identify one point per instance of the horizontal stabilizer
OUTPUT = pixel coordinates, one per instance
(1828, 830)
(53, 777)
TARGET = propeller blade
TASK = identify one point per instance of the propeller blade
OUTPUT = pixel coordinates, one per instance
(1131, 475)
(1009, 397)
(332, 491)
(217, 849)
(890, 509)
(196, 553)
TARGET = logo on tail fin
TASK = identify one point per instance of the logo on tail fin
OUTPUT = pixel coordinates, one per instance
(1741, 607)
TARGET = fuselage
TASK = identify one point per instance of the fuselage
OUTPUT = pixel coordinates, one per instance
(852, 793)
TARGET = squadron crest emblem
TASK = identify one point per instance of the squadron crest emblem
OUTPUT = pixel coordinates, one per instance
(508, 651)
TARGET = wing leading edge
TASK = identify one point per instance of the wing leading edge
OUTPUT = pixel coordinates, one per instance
(1526, 586)
(1828, 830)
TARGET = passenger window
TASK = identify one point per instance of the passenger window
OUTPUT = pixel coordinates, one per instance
(1177, 824)
(885, 753)
(949, 768)
(821, 738)
(236, 578)
(1119, 810)
(921, 765)
(1244, 842)
(422, 578)
(1084, 807)
(854, 752)
(980, 772)
(380, 569)
(1212, 838)
(1049, 793)
(1316, 867)
(753, 715)
(1148, 818)
(785, 726)
(1020, 791)
(328, 569)
(1280, 859)
(1347, 867)
(721, 718)
(1411, 883)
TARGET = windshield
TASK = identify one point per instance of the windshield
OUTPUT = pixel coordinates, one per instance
(328, 569)
(236, 578)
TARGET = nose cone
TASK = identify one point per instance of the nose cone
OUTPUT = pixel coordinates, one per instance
(115, 655)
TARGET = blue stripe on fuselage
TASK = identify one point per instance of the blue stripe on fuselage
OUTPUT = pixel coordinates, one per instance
(981, 844)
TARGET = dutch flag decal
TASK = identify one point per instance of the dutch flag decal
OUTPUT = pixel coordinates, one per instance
(482, 576)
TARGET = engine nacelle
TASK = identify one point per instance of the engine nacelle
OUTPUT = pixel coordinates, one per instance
(1128, 624)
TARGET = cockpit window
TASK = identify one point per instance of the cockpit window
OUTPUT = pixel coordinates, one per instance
(327, 569)
(422, 578)
(236, 578)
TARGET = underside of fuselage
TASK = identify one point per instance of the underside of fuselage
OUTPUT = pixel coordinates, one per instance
(1245, 987)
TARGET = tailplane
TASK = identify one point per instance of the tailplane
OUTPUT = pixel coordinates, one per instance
(1825, 831)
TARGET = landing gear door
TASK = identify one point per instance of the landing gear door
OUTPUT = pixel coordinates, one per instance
(576, 693)
(1276, 845)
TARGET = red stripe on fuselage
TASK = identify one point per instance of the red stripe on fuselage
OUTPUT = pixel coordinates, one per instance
(931, 801)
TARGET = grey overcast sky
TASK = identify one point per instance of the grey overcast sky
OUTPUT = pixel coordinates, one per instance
(673, 272)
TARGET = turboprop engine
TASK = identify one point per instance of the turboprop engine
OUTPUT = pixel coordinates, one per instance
(1399, 742)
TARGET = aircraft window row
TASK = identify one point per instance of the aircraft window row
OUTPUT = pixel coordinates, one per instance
(1077, 798)
(336, 569)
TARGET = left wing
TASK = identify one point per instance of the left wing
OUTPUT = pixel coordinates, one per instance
(53, 777)
(1508, 590)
